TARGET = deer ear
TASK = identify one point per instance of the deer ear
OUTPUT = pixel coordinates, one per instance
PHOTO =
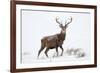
(65, 26)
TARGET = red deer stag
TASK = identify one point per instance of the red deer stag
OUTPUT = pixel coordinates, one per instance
(55, 41)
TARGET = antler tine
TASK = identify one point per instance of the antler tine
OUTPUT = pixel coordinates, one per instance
(58, 21)
(69, 21)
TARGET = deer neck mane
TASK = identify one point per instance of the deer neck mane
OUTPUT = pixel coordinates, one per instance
(62, 36)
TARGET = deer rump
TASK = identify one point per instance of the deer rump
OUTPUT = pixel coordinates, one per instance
(51, 42)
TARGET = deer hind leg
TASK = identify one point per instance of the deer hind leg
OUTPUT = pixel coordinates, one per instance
(41, 49)
(46, 51)
(62, 50)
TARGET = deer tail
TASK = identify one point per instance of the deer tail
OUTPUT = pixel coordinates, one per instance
(43, 43)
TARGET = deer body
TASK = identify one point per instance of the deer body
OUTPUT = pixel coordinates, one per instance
(54, 41)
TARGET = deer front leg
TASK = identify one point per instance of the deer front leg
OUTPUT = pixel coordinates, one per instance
(57, 50)
(62, 50)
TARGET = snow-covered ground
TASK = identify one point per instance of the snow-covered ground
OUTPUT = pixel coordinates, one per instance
(29, 57)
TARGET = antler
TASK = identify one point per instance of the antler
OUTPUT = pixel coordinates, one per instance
(58, 21)
(66, 23)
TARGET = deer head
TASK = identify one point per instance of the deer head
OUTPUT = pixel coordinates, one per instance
(63, 27)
